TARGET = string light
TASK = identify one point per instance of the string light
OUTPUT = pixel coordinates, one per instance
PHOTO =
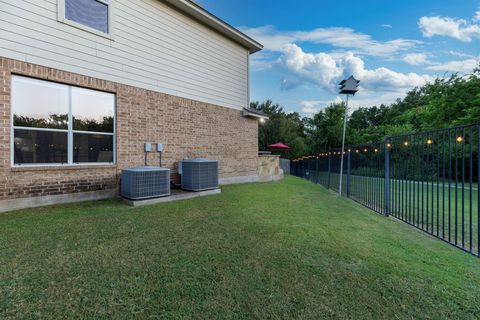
(459, 139)
(376, 150)
(389, 145)
(429, 141)
(357, 151)
(405, 143)
(365, 150)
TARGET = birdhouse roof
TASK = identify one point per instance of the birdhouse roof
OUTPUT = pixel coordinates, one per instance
(349, 80)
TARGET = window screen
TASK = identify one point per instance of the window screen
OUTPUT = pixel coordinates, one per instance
(90, 13)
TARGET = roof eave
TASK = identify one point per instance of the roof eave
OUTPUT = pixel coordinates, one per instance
(254, 114)
(210, 20)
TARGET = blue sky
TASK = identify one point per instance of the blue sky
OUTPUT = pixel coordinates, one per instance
(391, 46)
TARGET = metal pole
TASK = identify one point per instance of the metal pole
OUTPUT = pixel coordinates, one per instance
(343, 147)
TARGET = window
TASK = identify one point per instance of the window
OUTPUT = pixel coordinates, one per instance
(59, 124)
(93, 14)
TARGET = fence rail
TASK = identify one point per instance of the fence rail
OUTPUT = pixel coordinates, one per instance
(428, 180)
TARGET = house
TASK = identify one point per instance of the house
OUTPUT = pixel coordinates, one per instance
(86, 83)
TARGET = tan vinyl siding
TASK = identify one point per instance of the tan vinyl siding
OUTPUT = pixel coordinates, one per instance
(153, 47)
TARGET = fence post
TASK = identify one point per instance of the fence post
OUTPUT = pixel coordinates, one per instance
(329, 166)
(349, 163)
(303, 169)
(387, 177)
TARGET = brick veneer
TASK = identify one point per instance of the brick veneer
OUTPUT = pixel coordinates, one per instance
(187, 128)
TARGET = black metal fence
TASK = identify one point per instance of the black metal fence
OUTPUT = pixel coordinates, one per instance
(428, 180)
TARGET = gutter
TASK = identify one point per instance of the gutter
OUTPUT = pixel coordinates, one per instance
(253, 113)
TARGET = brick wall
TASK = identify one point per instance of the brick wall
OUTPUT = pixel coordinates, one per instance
(187, 128)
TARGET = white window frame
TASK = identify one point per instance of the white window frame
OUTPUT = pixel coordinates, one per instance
(109, 3)
(69, 132)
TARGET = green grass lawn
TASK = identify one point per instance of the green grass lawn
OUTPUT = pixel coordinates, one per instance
(283, 250)
(449, 218)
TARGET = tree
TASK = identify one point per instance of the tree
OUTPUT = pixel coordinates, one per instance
(325, 129)
(281, 127)
(445, 102)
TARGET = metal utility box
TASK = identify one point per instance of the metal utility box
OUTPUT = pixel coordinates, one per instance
(145, 182)
(199, 174)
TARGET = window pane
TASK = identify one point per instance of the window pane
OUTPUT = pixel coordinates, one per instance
(39, 104)
(92, 148)
(90, 13)
(40, 147)
(92, 110)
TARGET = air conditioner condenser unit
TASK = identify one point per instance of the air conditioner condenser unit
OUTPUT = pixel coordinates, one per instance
(138, 183)
(199, 174)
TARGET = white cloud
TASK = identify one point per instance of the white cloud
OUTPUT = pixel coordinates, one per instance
(460, 54)
(363, 99)
(386, 25)
(461, 66)
(320, 69)
(262, 60)
(325, 71)
(309, 108)
(459, 29)
(416, 59)
(477, 16)
(372, 99)
(344, 38)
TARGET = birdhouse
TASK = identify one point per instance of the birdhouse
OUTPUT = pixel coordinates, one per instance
(349, 86)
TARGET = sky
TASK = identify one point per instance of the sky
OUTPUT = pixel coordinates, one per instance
(390, 46)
